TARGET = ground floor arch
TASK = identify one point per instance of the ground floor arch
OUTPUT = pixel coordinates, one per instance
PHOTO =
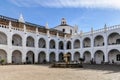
(61, 57)
(114, 56)
(41, 57)
(30, 57)
(52, 57)
(76, 56)
(69, 56)
(87, 56)
(16, 57)
(99, 57)
(3, 55)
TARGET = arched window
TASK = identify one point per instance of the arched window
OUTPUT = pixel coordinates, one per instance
(52, 44)
(42, 43)
(118, 57)
(68, 46)
(63, 30)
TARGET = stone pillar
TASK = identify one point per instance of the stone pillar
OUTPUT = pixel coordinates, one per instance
(72, 56)
(24, 56)
(47, 46)
(24, 41)
(9, 57)
(57, 46)
(65, 42)
(9, 40)
(24, 28)
(92, 43)
(106, 44)
(57, 56)
(47, 56)
(36, 56)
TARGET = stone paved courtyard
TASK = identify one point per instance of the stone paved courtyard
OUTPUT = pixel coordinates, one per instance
(43, 72)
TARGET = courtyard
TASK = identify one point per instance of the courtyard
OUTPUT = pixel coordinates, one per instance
(43, 72)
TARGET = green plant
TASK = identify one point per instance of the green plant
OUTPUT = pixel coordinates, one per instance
(2, 61)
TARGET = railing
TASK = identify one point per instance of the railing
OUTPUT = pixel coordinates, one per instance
(52, 35)
(101, 30)
(18, 29)
(42, 33)
(68, 36)
(31, 31)
(4, 26)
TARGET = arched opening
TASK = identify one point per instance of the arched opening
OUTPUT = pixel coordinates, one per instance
(69, 57)
(61, 45)
(87, 56)
(30, 57)
(52, 57)
(113, 39)
(61, 57)
(52, 44)
(99, 41)
(42, 57)
(16, 57)
(76, 56)
(30, 42)
(3, 38)
(42, 43)
(99, 57)
(76, 44)
(114, 56)
(86, 42)
(16, 40)
(3, 55)
(68, 45)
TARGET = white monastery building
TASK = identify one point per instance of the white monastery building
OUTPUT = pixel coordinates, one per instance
(22, 42)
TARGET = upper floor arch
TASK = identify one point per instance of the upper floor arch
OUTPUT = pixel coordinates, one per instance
(76, 44)
(16, 40)
(86, 42)
(99, 40)
(3, 38)
(42, 43)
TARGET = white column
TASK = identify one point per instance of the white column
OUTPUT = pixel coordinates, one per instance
(36, 56)
(47, 56)
(106, 46)
(57, 56)
(9, 56)
(24, 56)
(47, 46)
(72, 56)
(9, 53)
(36, 46)
(92, 44)
(24, 37)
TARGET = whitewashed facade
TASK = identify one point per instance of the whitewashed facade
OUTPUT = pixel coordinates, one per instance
(22, 42)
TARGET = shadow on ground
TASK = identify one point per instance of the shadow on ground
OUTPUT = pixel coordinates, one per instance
(109, 68)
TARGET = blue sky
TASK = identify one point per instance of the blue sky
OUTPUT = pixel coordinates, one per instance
(84, 13)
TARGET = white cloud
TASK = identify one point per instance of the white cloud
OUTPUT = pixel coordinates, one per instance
(115, 4)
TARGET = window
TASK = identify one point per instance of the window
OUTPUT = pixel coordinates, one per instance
(118, 41)
(118, 57)
(63, 30)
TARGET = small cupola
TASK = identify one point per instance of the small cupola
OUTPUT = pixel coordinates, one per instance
(63, 21)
